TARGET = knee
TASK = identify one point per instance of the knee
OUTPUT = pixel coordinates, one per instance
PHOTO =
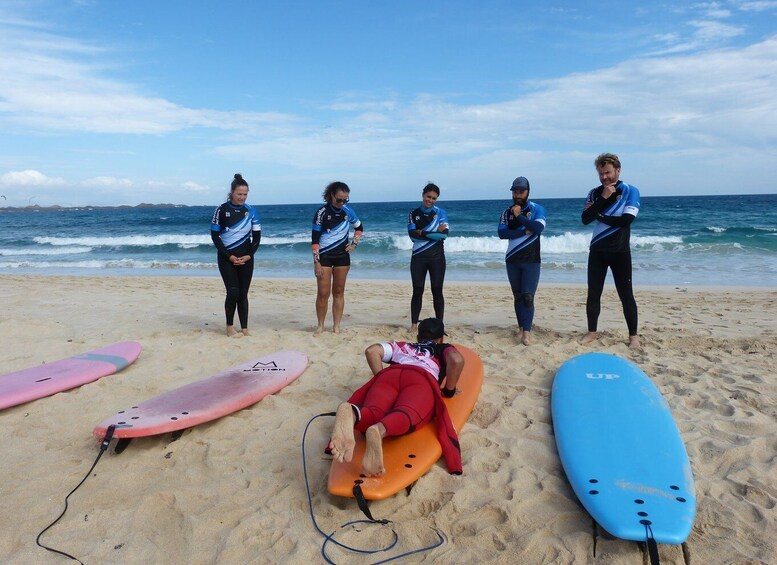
(233, 293)
(527, 299)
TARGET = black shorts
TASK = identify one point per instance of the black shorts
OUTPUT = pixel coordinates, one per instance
(343, 260)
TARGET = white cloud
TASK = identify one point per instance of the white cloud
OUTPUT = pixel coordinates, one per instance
(757, 5)
(107, 182)
(28, 178)
(195, 186)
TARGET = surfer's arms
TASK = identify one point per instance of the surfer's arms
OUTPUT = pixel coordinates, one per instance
(454, 362)
(374, 356)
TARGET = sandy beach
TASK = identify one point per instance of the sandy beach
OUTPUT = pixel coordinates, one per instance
(233, 491)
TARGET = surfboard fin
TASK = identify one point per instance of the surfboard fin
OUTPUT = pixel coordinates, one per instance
(122, 444)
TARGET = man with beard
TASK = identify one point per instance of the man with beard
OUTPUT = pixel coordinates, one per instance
(521, 224)
(613, 206)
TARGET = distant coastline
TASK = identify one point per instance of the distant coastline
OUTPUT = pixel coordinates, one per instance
(36, 207)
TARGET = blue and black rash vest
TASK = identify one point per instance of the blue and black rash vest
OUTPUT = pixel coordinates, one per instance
(613, 216)
(428, 220)
(236, 230)
(330, 228)
(523, 233)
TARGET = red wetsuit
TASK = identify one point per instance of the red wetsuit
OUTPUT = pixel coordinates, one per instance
(406, 395)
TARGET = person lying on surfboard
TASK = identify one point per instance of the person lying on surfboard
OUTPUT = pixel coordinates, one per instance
(402, 397)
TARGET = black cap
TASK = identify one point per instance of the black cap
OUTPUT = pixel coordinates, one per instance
(521, 183)
(431, 328)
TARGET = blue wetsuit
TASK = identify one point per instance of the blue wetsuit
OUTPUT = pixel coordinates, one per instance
(330, 231)
(522, 258)
(610, 248)
(428, 256)
(236, 230)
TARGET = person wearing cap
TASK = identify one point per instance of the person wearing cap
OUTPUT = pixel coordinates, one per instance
(427, 227)
(613, 205)
(521, 225)
(402, 397)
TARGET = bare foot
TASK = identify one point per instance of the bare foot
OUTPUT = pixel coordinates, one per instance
(245, 331)
(319, 331)
(372, 463)
(343, 440)
(634, 343)
(414, 329)
(589, 337)
(526, 337)
(231, 331)
(336, 329)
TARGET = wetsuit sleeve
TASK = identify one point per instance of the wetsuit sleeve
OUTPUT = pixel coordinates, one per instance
(215, 233)
(315, 235)
(617, 221)
(411, 227)
(438, 235)
(354, 220)
(513, 228)
(256, 237)
(594, 205)
(535, 226)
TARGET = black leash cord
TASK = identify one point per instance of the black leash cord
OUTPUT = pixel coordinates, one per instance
(330, 537)
(103, 446)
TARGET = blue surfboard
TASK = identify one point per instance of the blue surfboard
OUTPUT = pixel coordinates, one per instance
(621, 449)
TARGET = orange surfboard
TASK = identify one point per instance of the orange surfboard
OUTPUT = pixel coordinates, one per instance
(408, 457)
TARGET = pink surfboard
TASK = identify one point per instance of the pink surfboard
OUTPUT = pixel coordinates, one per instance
(50, 378)
(208, 399)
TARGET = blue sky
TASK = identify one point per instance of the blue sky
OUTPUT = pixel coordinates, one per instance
(105, 102)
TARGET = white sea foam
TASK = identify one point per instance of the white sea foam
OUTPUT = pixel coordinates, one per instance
(129, 240)
(43, 251)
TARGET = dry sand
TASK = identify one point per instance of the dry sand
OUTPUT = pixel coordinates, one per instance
(232, 491)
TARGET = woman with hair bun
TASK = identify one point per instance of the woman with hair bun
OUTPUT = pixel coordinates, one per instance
(236, 231)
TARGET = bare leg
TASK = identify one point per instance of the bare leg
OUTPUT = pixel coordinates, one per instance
(339, 275)
(372, 463)
(414, 330)
(324, 284)
(343, 440)
(589, 337)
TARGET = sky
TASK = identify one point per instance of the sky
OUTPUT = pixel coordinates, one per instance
(162, 101)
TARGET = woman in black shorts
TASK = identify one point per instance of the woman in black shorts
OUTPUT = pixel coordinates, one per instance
(331, 251)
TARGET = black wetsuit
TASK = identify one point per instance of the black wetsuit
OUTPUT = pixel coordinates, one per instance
(610, 248)
(428, 257)
(236, 230)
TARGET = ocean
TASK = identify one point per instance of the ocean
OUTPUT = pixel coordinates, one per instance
(684, 240)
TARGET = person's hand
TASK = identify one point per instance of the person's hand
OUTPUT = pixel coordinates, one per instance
(351, 246)
(317, 270)
(516, 210)
(442, 227)
(608, 190)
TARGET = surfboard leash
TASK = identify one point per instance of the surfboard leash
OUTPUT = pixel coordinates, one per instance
(103, 447)
(652, 546)
(330, 537)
